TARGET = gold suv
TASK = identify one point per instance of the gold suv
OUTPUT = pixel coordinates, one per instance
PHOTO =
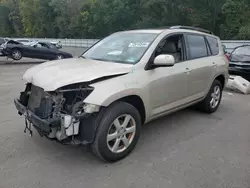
(103, 97)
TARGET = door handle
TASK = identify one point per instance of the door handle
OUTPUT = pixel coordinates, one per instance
(214, 65)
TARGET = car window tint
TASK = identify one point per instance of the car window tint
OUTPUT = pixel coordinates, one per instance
(214, 46)
(196, 46)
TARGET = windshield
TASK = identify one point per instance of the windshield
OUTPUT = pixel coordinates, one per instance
(121, 47)
(241, 54)
(244, 50)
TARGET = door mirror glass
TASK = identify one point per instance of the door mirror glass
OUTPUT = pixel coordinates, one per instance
(164, 61)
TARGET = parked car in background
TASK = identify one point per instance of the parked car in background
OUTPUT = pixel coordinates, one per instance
(38, 50)
(129, 78)
(3, 41)
(58, 44)
(239, 61)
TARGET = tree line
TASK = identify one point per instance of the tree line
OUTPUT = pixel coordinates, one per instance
(98, 18)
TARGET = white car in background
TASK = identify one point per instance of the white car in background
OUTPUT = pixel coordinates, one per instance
(25, 41)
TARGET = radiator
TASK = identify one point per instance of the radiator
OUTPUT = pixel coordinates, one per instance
(40, 103)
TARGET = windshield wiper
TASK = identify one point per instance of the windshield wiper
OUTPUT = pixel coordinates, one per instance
(81, 56)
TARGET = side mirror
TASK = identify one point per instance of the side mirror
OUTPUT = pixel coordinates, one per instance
(35, 46)
(164, 61)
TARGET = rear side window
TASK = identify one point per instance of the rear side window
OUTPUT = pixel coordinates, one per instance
(197, 47)
(214, 46)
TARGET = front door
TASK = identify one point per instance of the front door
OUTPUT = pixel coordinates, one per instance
(168, 85)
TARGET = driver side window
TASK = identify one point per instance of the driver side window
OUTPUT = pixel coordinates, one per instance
(172, 45)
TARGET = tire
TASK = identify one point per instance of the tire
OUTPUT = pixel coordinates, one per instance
(107, 150)
(207, 105)
(16, 54)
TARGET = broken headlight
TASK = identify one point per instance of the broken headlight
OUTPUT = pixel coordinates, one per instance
(74, 96)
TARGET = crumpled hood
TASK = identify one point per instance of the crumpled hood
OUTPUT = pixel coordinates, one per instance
(55, 74)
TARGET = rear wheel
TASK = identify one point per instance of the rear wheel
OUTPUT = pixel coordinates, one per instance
(213, 99)
(16, 54)
(118, 132)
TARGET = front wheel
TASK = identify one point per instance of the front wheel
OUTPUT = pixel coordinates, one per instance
(213, 99)
(118, 132)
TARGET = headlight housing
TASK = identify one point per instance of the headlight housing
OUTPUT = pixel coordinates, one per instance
(74, 94)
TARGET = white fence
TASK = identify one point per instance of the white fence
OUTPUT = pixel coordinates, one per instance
(86, 43)
(231, 44)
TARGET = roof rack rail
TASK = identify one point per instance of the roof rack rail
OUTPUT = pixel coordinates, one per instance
(192, 28)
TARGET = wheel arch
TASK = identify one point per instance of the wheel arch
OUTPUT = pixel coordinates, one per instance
(222, 80)
(17, 48)
(137, 102)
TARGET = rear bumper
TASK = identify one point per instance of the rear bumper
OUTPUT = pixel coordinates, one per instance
(4, 52)
(42, 125)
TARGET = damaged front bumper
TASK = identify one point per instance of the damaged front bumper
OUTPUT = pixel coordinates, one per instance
(61, 116)
(43, 126)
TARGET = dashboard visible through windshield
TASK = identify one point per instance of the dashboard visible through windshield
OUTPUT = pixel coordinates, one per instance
(125, 48)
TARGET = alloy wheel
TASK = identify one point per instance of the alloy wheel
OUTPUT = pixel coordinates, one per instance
(121, 133)
(215, 97)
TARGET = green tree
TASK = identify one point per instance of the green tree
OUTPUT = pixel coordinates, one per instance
(37, 18)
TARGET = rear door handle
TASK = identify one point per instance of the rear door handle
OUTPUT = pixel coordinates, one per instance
(214, 65)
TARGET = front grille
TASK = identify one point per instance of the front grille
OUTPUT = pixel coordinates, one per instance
(40, 103)
(241, 65)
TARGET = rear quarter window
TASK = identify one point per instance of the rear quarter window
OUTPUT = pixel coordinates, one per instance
(214, 45)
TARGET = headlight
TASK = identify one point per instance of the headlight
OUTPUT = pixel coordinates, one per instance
(91, 108)
(74, 96)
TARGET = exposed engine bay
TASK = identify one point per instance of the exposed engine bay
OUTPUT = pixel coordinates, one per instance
(61, 114)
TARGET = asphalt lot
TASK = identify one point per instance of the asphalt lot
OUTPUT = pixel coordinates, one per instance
(184, 150)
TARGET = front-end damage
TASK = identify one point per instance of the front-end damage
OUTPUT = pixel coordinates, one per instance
(61, 115)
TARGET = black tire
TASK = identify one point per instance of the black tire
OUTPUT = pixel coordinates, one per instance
(205, 105)
(16, 54)
(100, 145)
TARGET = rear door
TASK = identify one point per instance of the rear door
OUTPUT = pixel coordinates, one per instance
(200, 65)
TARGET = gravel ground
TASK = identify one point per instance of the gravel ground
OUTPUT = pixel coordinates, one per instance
(184, 150)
